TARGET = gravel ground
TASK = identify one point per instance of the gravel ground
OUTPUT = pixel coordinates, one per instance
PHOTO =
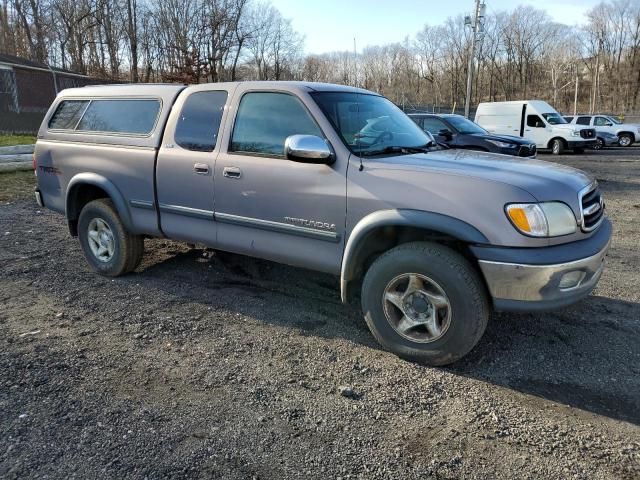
(211, 365)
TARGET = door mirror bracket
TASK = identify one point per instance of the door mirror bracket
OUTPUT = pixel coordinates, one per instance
(446, 133)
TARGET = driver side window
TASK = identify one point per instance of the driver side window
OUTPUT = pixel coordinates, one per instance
(534, 121)
(433, 125)
(265, 120)
(602, 122)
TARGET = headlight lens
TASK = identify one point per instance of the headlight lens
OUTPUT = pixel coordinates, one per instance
(548, 219)
(500, 144)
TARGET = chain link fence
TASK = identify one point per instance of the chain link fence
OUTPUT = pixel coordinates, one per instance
(27, 90)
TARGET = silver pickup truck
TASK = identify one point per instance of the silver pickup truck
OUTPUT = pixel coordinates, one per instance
(331, 178)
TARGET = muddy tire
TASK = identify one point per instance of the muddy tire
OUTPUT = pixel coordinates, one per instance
(425, 302)
(106, 244)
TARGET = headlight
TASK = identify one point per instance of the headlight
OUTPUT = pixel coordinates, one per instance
(548, 219)
(500, 144)
(576, 133)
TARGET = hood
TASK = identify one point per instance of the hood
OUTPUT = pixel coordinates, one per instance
(545, 181)
(571, 127)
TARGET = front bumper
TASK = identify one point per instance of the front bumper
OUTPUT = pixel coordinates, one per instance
(525, 151)
(538, 285)
(581, 143)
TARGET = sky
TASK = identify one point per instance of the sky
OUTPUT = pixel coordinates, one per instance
(331, 25)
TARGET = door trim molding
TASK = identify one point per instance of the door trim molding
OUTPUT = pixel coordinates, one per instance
(186, 211)
(277, 227)
(146, 204)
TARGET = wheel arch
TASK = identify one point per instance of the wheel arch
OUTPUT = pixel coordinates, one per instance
(85, 187)
(384, 229)
(550, 142)
(630, 133)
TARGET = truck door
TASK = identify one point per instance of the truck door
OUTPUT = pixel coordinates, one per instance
(268, 206)
(535, 129)
(184, 171)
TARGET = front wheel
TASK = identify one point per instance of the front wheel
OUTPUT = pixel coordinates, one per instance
(425, 302)
(557, 146)
(108, 247)
(625, 140)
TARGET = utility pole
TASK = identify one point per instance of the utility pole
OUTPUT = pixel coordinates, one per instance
(476, 23)
(575, 97)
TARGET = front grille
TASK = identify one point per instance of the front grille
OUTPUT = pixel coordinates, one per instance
(527, 150)
(588, 133)
(591, 207)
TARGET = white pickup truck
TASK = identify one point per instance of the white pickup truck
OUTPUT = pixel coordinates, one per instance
(627, 133)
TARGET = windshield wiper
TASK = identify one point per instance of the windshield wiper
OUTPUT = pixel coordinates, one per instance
(397, 149)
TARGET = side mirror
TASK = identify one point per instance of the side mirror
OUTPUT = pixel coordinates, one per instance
(608, 124)
(539, 124)
(445, 132)
(308, 149)
(432, 140)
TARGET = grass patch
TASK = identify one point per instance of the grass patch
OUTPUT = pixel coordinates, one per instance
(16, 185)
(8, 140)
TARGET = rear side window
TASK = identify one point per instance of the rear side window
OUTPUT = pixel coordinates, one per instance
(199, 121)
(68, 114)
(266, 119)
(120, 116)
(583, 120)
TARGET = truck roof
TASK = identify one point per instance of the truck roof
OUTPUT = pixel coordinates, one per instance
(162, 89)
(540, 104)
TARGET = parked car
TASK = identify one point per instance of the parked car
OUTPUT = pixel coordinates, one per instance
(537, 121)
(455, 131)
(603, 139)
(431, 238)
(627, 133)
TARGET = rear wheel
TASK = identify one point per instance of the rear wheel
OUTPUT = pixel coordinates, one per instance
(106, 244)
(425, 302)
(599, 145)
(625, 139)
(557, 146)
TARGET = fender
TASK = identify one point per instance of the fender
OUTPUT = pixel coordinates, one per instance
(108, 186)
(435, 222)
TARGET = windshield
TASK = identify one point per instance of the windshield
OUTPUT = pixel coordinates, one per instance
(554, 118)
(370, 124)
(462, 125)
(615, 120)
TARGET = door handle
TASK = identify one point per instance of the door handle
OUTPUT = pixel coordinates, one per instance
(201, 168)
(232, 172)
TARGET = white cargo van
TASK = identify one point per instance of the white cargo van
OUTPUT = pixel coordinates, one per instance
(537, 121)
